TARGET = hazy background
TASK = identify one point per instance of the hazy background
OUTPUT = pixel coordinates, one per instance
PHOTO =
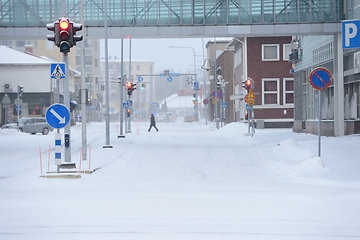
(157, 50)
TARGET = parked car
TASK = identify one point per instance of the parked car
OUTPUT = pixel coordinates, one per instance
(171, 117)
(34, 125)
(165, 117)
(189, 117)
(9, 126)
(161, 117)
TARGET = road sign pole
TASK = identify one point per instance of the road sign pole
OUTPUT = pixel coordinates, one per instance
(319, 127)
(67, 152)
(17, 105)
(122, 81)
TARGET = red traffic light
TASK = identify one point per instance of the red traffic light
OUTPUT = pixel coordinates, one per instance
(129, 85)
(248, 84)
(64, 24)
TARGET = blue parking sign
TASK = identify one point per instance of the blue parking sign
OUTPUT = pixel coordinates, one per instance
(350, 34)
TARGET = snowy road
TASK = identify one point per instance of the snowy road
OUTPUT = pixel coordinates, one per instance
(187, 181)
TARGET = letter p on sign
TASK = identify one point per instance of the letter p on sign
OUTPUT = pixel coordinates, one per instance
(350, 34)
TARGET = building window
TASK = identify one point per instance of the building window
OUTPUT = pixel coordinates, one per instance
(270, 91)
(88, 60)
(270, 52)
(286, 51)
(20, 43)
(50, 45)
(288, 90)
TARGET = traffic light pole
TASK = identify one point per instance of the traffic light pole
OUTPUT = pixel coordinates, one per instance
(67, 104)
(17, 105)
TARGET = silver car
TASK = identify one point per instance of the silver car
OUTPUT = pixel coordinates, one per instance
(34, 125)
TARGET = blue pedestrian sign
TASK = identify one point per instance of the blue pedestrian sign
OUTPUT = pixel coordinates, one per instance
(57, 70)
(57, 115)
(320, 78)
(350, 34)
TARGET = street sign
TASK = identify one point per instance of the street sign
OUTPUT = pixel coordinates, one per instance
(206, 101)
(18, 101)
(320, 78)
(224, 105)
(250, 97)
(196, 86)
(169, 79)
(57, 70)
(57, 115)
(350, 34)
(140, 79)
(248, 107)
(169, 74)
(6, 100)
(125, 104)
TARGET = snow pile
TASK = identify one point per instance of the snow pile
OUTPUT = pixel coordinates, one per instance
(294, 160)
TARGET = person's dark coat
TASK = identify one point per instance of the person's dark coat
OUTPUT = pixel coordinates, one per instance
(152, 123)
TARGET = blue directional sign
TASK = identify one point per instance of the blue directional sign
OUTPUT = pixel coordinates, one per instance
(140, 79)
(169, 79)
(320, 78)
(350, 34)
(57, 115)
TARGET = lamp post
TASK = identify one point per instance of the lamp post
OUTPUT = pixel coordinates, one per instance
(212, 79)
(207, 105)
(195, 90)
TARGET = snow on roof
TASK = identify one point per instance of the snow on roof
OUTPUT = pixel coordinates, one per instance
(117, 60)
(10, 56)
(175, 101)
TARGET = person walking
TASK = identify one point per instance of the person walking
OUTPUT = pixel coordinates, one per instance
(152, 123)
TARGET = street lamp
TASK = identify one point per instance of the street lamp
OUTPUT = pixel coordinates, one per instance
(195, 90)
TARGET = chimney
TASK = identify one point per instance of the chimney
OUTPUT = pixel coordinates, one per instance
(28, 48)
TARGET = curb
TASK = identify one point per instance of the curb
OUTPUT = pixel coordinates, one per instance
(61, 176)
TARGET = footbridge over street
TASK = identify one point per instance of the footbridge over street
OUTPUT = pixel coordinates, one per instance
(173, 18)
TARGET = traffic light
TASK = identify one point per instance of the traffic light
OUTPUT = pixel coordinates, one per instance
(143, 86)
(55, 28)
(218, 84)
(20, 90)
(248, 84)
(129, 86)
(128, 112)
(75, 27)
(65, 32)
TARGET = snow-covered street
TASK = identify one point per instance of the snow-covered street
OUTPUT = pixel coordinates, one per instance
(187, 181)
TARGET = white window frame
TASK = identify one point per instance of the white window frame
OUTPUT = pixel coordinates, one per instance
(285, 91)
(277, 91)
(263, 46)
(285, 55)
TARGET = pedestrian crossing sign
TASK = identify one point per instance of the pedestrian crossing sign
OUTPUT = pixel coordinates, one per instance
(57, 70)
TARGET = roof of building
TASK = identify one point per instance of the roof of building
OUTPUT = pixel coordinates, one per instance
(175, 101)
(10, 56)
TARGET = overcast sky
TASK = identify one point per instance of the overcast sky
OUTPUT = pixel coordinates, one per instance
(179, 60)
